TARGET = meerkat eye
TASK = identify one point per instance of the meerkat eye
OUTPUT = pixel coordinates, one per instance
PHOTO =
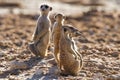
(41, 6)
(65, 29)
(46, 6)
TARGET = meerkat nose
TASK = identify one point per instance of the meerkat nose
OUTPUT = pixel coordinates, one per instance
(43, 9)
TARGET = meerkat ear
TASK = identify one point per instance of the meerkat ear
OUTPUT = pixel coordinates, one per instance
(55, 17)
(50, 8)
(65, 29)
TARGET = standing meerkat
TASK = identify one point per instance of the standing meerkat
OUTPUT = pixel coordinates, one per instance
(73, 32)
(70, 59)
(42, 33)
(56, 33)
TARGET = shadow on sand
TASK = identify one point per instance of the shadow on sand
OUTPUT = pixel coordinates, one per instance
(31, 63)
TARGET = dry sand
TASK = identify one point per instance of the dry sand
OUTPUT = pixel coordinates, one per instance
(100, 51)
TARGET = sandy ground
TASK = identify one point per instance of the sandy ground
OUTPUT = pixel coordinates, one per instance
(100, 49)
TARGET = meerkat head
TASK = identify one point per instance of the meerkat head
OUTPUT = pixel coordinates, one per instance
(73, 32)
(59, 17)
(45, 9)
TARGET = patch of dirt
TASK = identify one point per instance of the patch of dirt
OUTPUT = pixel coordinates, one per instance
(100, 48)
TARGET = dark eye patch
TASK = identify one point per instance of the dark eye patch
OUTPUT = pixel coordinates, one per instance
(65, 29)
(46, 6)
(41, 6)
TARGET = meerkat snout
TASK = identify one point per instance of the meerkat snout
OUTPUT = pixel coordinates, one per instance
(45, 7)
(78, 33)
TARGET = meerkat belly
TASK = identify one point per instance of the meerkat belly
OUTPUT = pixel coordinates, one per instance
(56, 36)
(66, 56)
(46, 38)
(68, 45)
(64, 53)
(46, 22)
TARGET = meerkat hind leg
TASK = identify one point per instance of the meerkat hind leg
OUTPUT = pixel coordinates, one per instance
(32, 48)
(56, 51)
(63, 73)
(75, 68)
(42, 50)
(42, 47)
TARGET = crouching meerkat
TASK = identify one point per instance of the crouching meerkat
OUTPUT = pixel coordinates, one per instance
(56, 33)
(41, 34)
(70, 60)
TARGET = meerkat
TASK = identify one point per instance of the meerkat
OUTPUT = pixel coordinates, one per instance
(56, 33)
(42, 33)
(68, 64)
(74, 33)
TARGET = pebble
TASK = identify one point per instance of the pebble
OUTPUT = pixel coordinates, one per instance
(114, 77)
(1, 54)
(101, 66)
(82, 75)
(18, 65)
(115, 54)
(39, 72)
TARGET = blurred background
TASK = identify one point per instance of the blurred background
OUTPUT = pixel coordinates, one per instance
(65, 6)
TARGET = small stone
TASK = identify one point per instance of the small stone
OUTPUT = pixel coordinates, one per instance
(54, 70)
(39, 72)
(42, 63)
(101, 66)
(84, 47)
(98, 76)
(82, 74)
(116, 68)
(115, 54)
(114, 77)
(1, 54)
(18, 65)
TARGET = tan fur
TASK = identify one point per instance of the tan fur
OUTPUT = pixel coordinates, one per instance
(70, 59)
(41, 34)
(56, 33)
